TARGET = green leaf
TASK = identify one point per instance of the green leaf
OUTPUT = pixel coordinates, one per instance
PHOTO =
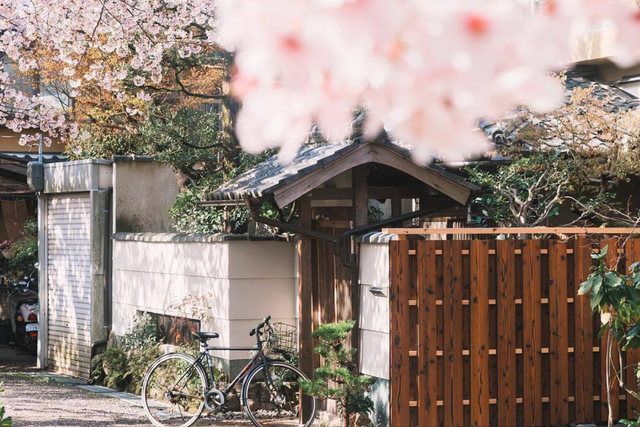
(588, 285)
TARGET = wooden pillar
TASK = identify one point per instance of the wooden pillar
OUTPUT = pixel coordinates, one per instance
(360, 194)
(361, 208)
(305, 303)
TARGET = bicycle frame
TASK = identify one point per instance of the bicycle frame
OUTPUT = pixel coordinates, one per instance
(205, 352)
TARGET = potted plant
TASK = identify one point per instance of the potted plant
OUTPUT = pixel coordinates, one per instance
(7, 249)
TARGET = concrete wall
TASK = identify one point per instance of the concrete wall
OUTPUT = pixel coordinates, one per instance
(144, 191)
(374, 320)
(248, 279)
(374, 315)
(77, 176)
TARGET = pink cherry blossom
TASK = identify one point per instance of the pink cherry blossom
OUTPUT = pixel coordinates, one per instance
(427, 70)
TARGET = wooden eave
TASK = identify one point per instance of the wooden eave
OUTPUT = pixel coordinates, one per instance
(449, 184)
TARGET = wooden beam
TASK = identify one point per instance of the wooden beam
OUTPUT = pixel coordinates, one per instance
(331, 194)
(515, 230)
(374, 153)
(360, 194)
(453, 189)
(380, 193)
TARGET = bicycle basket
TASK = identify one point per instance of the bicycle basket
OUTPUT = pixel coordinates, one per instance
(283, 340)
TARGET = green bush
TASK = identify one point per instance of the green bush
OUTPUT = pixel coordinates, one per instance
(27, 251)
(138, 362)
(114, 365)
(338, 378)
(142, 334)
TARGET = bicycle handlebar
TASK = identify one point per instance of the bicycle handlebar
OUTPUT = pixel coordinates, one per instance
(258, 330)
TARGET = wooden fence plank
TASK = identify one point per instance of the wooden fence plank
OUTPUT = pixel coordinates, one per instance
(583, 350)
(633, 356)
(479, 333)
(428, 340)
(452, 304)
(559, 338)
(507, 415)
(400, 330)
(612, 259)
(531, 276)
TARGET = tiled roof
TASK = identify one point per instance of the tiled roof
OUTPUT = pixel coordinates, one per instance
(582, 77)
(271, 175)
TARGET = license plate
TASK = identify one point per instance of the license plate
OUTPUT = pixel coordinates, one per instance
(32, 327)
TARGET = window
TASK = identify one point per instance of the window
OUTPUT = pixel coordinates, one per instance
(175, 330)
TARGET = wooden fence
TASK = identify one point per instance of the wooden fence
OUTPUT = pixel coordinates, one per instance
(492, 333)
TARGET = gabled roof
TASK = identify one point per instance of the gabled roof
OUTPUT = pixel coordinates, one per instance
(316, 163)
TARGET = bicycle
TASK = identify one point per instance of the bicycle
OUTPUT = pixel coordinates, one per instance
(176, 388)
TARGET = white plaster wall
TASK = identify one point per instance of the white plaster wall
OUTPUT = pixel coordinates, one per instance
(374, 315)
(249, 280)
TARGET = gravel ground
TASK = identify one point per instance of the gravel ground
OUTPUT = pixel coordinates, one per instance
(41, 401)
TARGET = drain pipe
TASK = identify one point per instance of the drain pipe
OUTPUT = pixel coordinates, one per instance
(340, 243)
(347, 258)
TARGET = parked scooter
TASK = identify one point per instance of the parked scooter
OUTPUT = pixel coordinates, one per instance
(23, 304)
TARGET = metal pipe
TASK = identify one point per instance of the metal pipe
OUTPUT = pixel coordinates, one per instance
(379, 225)
(294, 228)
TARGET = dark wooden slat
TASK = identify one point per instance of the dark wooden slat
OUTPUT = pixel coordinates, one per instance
(507, 415)
(612, 258)
(427, 346)
(633, 356)
(479, 333)
(584, 336)
(400, 329)
(559, 338)
(452, 303)
(532, 332)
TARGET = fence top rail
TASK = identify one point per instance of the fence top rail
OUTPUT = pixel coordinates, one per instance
(515, 230)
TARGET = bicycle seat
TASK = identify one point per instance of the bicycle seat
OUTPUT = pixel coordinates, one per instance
(203, 336)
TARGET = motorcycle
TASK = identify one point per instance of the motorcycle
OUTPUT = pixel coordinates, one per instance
(23, 304)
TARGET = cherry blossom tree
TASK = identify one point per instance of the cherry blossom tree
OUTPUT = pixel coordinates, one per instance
(427, 70)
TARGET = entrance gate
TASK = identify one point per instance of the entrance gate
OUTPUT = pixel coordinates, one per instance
(492, 333)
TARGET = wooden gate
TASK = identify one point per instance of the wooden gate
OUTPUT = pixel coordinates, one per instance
(492, 333)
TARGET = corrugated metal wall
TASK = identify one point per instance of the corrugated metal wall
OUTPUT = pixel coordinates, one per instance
(69, 283)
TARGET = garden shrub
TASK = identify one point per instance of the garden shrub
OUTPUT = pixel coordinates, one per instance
(142, 334)
(137, 363)
(114, 365)
(338, 377)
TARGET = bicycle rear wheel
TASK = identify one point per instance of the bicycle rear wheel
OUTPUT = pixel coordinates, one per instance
(273, 400)
(173, 391)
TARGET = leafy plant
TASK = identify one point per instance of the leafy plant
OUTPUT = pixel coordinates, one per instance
(142, 334)
(138, 362)
(4, 421)
(338, 377)
(114, 364)
(27, 249)
(616, 298)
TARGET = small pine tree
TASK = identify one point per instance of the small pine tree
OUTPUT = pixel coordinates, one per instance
(337, 378)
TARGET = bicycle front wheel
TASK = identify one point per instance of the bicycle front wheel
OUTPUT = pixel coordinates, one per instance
(273, 400)
(173, 391)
